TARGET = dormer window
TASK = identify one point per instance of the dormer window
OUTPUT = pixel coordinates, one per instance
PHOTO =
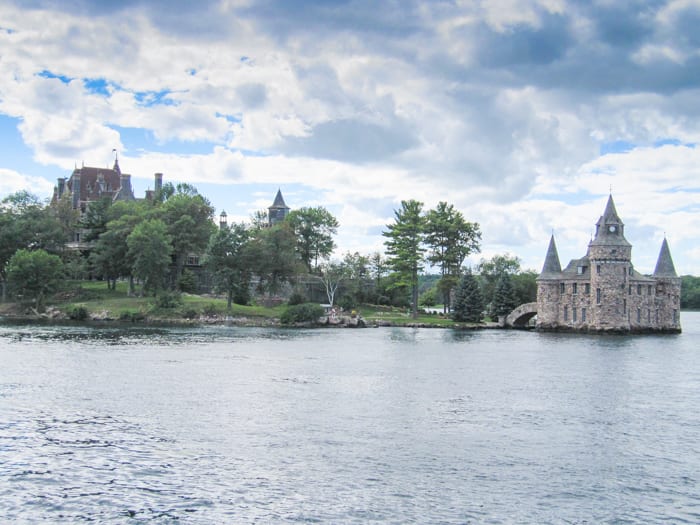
(580, 270)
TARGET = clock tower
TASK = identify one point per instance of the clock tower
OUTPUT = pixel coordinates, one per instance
(610, 256)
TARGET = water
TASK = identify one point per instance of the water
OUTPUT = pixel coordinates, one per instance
(238, 425)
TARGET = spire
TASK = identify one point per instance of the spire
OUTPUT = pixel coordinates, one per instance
(610, 214)
(664, 264)
(116, 162)
(610, 230)
(279, 200)
(552, 266)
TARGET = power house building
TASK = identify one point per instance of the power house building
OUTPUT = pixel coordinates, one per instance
(602, 292)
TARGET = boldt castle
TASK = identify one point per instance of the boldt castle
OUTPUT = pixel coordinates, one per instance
(602, 292)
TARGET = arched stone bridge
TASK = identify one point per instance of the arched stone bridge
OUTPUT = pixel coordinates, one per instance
(520, 317)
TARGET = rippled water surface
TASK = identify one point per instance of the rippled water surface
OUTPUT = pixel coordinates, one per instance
(238, 425)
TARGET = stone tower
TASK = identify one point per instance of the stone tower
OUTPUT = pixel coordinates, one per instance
(610, 256)
(602, 292)
(278, 211)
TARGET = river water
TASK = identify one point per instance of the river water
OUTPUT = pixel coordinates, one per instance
(244, 425)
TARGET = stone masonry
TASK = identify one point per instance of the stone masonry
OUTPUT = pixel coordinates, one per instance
(602, 292)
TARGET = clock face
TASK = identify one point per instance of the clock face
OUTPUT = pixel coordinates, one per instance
(611, 228)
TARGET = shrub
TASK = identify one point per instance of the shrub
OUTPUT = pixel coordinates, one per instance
(210, 310)
(169, 299)
(133, 316)
(187, 282)
(302, 313)
(78, 313)
(297, 298)
(190, 313)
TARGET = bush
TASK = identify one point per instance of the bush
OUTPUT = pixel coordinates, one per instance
(210, 310)
(133, 316)
(347, 302)
(302, 313)
(169, 299)
(78, 313)
(187, 282)
(297, 298)
(190, 313)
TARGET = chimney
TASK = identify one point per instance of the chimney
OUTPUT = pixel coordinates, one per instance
(158, 184)
(76, 190)
(125, 190)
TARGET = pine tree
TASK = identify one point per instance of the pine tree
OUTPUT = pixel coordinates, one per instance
(469, 304)
(504, 300)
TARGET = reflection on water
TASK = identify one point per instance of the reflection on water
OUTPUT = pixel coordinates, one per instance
(230, 425)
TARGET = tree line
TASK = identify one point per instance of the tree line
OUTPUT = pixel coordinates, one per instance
(148, 242)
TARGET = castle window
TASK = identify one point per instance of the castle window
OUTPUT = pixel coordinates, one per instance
(648, 289)
(624, 306)
(631, 270)
(597, 269)
(675, 316)
(573, 314)
(583, 315)
(581, 270)
(630, 290)
(639, 289)
(649, 315)
(587, 288)
(639, 315)
(193, 260)
(566, 313)
(597, 295)
(574, 288)
(562, 288)
(77, 237)
(624, 271)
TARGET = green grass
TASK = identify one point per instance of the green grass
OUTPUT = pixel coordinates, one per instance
(115, 304)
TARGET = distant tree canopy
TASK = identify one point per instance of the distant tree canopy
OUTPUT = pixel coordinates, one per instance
(33, 274)
(690, 292)
(314, 229)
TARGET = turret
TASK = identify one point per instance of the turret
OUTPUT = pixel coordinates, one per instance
(668, 291)
(158, 182)
(76, 189)
(278, 211)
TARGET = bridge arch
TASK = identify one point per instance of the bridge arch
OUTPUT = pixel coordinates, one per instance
(520, 317)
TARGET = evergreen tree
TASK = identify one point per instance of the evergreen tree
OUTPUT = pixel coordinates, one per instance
(469, 304)
(504, 299)
(404, 247)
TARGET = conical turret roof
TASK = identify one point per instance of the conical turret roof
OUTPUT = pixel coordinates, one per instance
(552, 266)
(664, 264)
(610, 230)
(279, 201)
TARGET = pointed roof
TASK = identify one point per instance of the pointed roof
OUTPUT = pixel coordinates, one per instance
(552, 266)
(610, 230)
(279, 201)
(664, 264)
(610, 213)
(116, 166)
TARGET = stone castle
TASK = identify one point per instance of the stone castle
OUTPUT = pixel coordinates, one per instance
(602, 292)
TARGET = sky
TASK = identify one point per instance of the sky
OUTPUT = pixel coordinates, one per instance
(523, 114)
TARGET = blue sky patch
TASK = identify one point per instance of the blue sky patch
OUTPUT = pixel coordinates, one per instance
(48, 74)
(616, 146)
(138, 140)
(154, 98)
(97, 86)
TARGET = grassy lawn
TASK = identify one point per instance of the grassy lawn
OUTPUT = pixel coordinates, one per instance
(98, 300)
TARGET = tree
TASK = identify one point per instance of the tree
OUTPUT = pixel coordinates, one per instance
(227, 259)
(150, 248)
(357, 278)
(26, 223)
(274, 250)
(450, 239)
(189, 219)
(110, 257)
(525, 285)
(469, 305)
(34, 274)
(96, 218)
(504, 298)
(490, 270)
(404, 246)
(314, 229)
(332, 275)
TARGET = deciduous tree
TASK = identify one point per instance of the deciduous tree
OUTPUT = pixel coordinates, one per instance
(34, 274)
(150, 247)
(227, 259)
(314, 229)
